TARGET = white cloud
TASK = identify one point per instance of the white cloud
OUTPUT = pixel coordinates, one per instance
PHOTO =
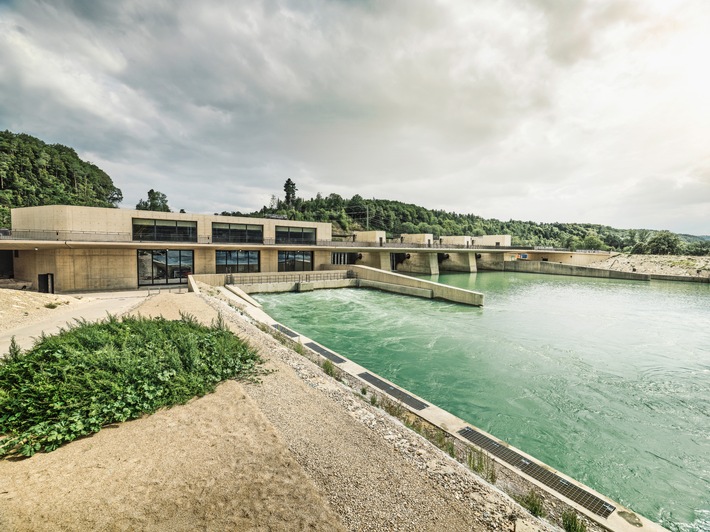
(570, 111)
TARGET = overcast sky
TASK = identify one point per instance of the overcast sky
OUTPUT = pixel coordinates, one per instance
(546, 110)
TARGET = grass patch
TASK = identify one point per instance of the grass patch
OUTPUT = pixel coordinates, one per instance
(533, 502)
(51, 305)
(94, 374)
(480, 462)
(328, 368)
(571, 523)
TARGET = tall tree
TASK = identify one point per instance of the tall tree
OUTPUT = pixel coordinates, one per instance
(290, 190)
(157, 201)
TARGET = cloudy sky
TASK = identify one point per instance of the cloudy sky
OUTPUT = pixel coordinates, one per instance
(546, 110)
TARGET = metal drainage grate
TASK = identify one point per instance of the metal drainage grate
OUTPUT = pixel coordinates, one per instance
(285, 330)
(547, 477)
(326, 353)
(394, 392)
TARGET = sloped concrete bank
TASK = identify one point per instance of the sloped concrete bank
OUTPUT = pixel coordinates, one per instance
(555, 268)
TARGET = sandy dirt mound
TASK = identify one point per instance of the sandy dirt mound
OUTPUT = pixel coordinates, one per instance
(20, 307)
(216, 463)
(657, 264)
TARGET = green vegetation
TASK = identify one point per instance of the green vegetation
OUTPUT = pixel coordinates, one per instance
(395, 217)
(480, 462)
(93, 374)
(157, 201)
(34, 173)
(571, 523)
(328, 368)
(533, 503)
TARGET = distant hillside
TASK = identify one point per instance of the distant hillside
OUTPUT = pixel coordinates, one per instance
(396, 217)
(34, 173)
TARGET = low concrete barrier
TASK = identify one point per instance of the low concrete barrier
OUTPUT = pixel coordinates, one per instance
(439, 291)
(555, 268)
(396, 289)
(681, 278)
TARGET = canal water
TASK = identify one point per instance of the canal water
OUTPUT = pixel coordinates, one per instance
(605, 380)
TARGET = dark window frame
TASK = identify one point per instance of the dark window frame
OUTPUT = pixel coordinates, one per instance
(237, 233)
(155, 230)
(295, 235)
(294, 261)
(175, 274)
(251, 265)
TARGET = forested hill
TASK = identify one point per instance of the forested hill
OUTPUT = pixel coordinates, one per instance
(34, 173)
(396, 217)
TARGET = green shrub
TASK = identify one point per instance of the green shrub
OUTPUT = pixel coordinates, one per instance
(533, 502)
(94, 374)
(571, 523)
(329, 368)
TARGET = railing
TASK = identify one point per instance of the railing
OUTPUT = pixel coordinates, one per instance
(305, 277)
(96, 236)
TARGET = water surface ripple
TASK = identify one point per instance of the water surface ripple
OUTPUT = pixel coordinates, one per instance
(607, 381)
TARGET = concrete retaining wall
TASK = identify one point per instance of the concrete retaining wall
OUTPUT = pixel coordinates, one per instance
(397, 289)
(682, 278)
(553, 268)
(439, 291)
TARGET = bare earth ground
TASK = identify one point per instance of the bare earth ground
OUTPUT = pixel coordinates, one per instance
(21, 307)
(657, 264)
(299, 451)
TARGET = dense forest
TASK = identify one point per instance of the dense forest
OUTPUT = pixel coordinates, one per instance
(34, 173)
(396, 217)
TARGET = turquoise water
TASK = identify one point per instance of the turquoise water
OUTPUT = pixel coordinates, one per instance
(607, 381)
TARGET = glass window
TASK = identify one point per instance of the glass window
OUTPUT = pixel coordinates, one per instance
(164, 266)
(295, 261)
(237, 262)
(164, 230)
(237, 233)
(295, 235)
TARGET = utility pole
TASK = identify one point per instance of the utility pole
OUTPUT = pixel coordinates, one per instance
(367, 217)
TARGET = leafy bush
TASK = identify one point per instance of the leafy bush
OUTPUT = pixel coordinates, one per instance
(94, 374)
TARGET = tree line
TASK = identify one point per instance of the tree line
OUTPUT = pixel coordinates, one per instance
(35, 173)
(395, 217)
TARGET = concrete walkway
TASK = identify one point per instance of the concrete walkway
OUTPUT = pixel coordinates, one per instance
(97, 306)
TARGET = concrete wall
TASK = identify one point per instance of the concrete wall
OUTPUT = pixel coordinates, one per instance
(459, 262)
(466, 241)
(67, 218)
(564, 257)
(425, 263)
(439, 291)
(492, 240)
(420, 238)
(370, 236)
(377, 259)
(490, 261)
(553, 268)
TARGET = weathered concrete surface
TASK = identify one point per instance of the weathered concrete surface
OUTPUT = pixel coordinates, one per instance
(396, 289)
(439, 291)
(459, 262)
(553, 268)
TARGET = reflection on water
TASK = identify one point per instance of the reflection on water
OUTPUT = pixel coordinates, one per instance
(608, 381)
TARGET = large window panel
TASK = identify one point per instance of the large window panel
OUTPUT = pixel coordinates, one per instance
(237, 233)
(295, 261)
(164, 230)
(295, 235)
(164, 266)
(237, 261)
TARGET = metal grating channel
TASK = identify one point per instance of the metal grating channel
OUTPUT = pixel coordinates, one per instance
(285, 330)
(323, 351)
(548, 478)
(398, 394)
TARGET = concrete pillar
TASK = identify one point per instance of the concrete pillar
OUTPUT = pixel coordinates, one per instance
(459, 262)
(425, 263)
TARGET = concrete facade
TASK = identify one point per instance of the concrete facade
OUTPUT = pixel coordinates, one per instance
(89, 248)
